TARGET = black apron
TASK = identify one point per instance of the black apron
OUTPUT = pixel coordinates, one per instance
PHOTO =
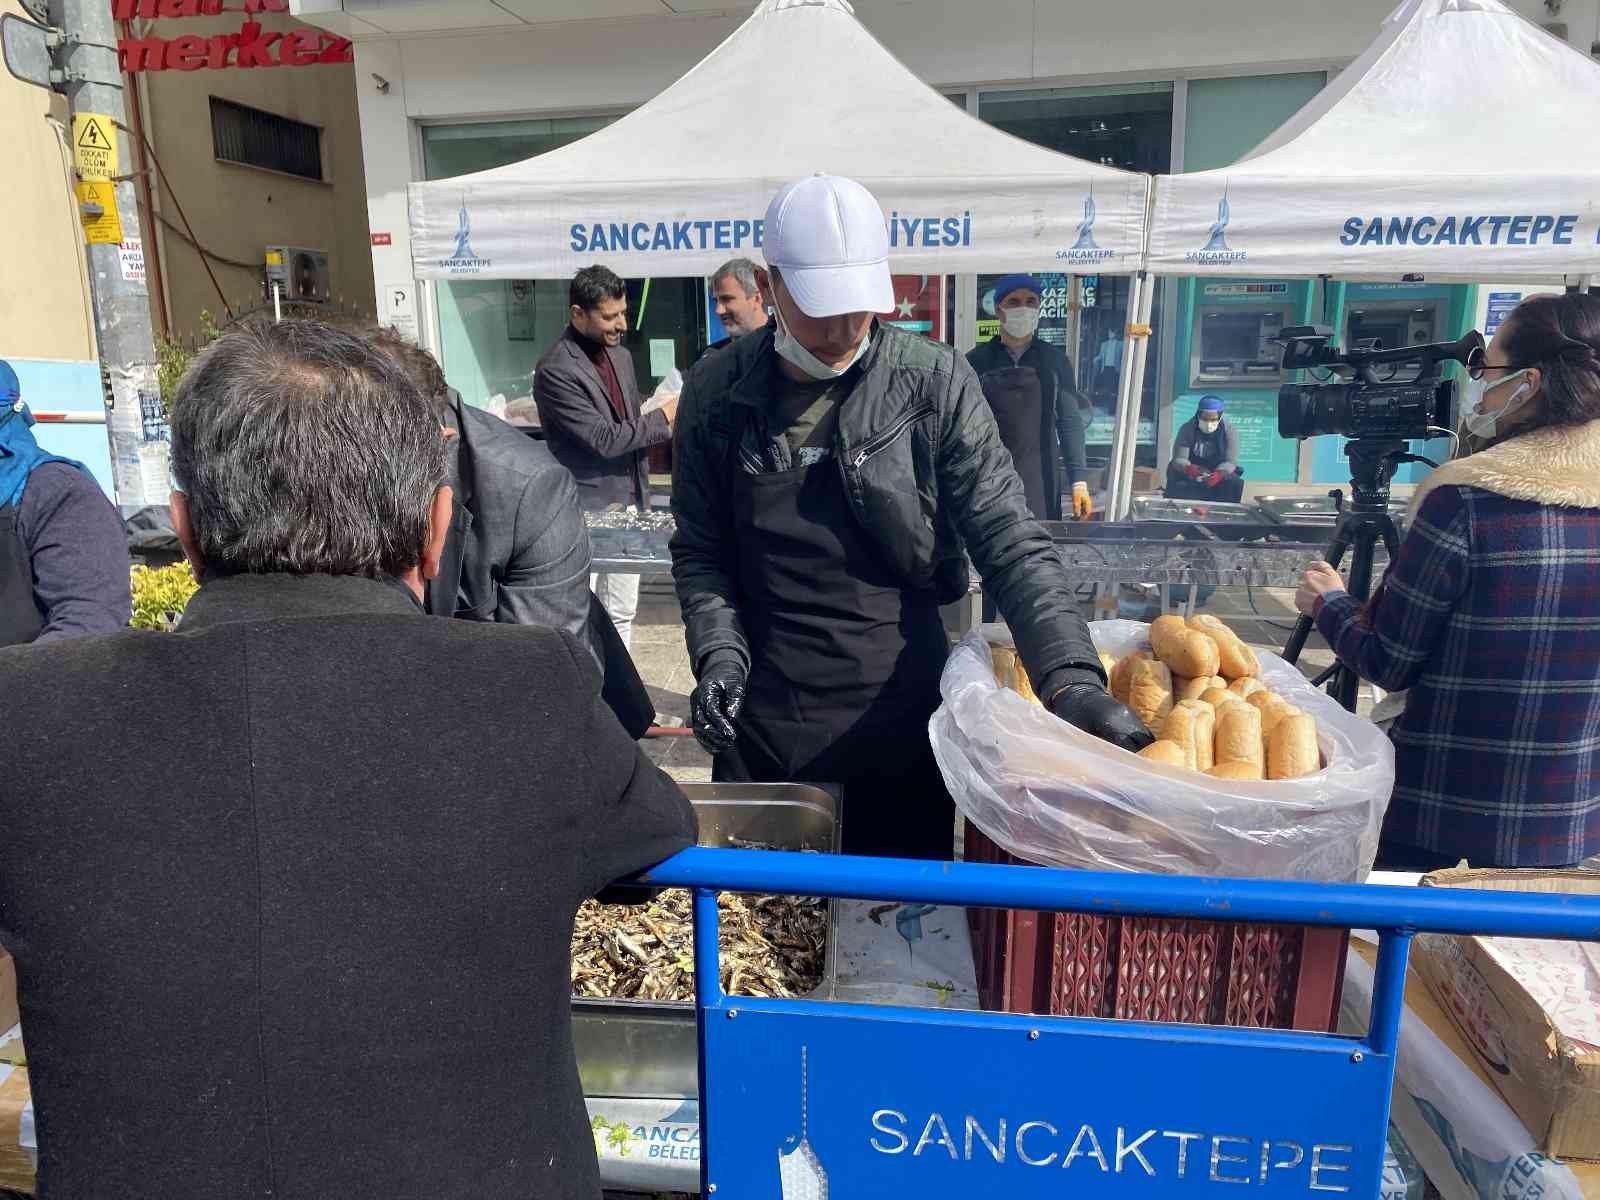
(845, 666)
(1027, 423)
(20, 619)
(1209, 449)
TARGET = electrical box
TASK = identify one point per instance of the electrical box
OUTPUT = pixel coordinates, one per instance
(300, 275)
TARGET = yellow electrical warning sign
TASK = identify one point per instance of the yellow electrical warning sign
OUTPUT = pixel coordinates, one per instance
(97, 209)
(94, 145)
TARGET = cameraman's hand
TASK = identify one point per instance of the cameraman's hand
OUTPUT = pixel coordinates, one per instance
(1091, 708)
(716, 703)
(1320, 579)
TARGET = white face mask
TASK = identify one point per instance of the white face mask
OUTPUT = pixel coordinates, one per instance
(1209, 425)
(1020, 322)
(790, 349)
(1484, 424)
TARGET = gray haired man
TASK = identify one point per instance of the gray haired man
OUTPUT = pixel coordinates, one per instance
(344, 849)
(741, 304)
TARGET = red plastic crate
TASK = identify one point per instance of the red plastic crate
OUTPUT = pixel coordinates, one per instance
(1150, 969)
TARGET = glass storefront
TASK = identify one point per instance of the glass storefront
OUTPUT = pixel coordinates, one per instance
(1127, 126)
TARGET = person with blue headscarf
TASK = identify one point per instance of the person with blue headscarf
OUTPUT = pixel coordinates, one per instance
(1205, 457)
(63, 549)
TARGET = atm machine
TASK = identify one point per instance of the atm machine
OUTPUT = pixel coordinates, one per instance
(1225, 348)
(1393, 314)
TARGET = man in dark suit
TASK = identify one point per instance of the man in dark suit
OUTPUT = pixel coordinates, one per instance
(338, 933)
(588, 400)
(518, 550)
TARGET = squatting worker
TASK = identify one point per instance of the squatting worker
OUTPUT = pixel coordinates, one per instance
(741, 301)
(830, 472)
(63, 549)
(1205, 457)
(1033, 391)
(1490, 614)
(342, 940)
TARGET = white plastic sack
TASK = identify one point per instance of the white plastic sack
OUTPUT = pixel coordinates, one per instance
(1052, 794)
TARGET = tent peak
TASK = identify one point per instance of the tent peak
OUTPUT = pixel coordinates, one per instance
(768, 7)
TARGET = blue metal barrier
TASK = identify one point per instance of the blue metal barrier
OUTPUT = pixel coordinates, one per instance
(813, 1100)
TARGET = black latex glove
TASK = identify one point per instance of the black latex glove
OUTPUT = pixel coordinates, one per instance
(716, 702)
(1091, 708)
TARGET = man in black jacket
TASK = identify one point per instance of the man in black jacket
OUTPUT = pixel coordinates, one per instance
(518, 550)
(829, 475)
(339, 931)
(589, 407)
(1031, 387)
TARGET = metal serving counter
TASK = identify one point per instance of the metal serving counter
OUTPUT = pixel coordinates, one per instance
(1182, 545)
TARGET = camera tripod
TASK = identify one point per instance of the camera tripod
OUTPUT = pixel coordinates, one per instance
(1373, 462)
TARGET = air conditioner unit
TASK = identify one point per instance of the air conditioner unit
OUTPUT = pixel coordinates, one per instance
(300, 274)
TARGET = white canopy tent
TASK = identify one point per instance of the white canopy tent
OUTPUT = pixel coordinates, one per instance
(672, 189)
(1459, 146)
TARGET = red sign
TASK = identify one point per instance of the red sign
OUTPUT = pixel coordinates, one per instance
(251, 47)
(382, 239)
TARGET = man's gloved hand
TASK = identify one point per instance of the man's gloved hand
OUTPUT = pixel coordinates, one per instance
(1192, 470)
(1082, 506)
(1213, 479)
(716, 702)
(1091, 708)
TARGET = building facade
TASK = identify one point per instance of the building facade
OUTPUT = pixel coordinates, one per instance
(446, 88)
(243, 162)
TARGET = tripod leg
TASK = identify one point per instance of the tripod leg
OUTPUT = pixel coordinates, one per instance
(1346, 685)
(1303, 627)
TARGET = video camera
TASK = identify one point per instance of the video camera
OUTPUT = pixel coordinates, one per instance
(1396, 395)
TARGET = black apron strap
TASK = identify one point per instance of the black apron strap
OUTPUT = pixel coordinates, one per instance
(20, 618)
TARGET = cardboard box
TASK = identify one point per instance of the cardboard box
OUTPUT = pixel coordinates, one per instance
(1551, 1081)
(16, 1160)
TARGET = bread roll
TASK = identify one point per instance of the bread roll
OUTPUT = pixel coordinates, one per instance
(1188, 652)
(1004, 659)
(1182, 728)
(1246, 686)
(1271, 714)
(1170, 753)
(1235, 659)
(1239, 735)
(1189, 689)
(1022, 684)
(1292, 749)
(1122, 674)
(1205, 732)
(1235, 770)
(1261, 697)
(1150, 692)
(1107, 663)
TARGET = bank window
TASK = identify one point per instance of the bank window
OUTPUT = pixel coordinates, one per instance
(240, 134)
(1128, 126)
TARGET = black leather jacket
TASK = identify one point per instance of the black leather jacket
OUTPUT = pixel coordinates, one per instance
(927, 478)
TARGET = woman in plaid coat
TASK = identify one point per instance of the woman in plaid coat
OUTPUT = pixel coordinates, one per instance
(1490, 614)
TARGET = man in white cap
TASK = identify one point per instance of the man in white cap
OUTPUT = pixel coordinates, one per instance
(830, 476)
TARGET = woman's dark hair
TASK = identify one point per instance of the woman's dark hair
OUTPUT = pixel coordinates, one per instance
(593, 286)
(1561, 336)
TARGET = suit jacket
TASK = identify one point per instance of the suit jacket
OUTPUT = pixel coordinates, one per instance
(518, 550)
(603, 451)
(301, 936)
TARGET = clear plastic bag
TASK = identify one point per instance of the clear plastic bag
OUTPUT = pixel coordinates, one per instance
(1052, 794)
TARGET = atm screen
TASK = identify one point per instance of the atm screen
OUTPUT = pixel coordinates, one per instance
(1392, 333)
(1235, 336)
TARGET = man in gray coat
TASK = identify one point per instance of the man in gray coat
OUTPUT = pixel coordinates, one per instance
(588, 398)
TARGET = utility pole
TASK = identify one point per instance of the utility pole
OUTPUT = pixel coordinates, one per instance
(91, 78)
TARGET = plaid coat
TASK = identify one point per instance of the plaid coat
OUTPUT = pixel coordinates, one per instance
(1490, 615)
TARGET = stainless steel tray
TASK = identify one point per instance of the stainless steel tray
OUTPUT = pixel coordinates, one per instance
(1313, 510)
(638, 1048)
(1159, 508)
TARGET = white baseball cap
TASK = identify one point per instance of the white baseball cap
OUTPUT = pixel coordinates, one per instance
(827, 235)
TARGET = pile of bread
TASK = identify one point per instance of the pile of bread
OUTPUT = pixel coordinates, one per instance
(1199, 691)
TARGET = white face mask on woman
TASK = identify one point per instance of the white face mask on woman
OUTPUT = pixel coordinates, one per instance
(1209, 424)
(790, 349)
(1486, 424)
